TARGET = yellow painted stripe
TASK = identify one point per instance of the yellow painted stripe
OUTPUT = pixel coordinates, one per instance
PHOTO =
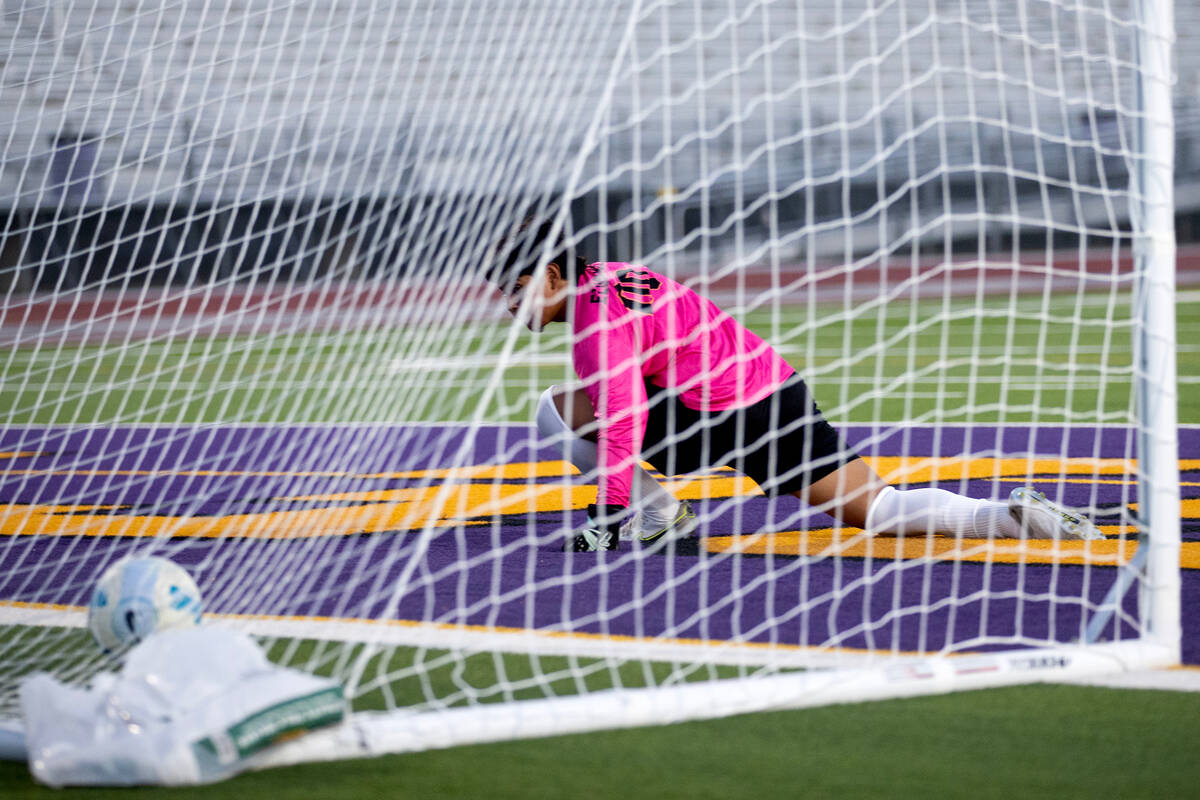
(712, 486)
(447, 504)
(913, 469)
(27, 606)
(851, 542)
(1188, 508)
(1109, 482)
(685, 487)
(399, 509)
(439, 505)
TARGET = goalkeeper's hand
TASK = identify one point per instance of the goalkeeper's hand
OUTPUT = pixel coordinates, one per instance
(603, 531)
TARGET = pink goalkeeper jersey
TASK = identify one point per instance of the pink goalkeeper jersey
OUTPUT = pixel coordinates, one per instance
(632, 325)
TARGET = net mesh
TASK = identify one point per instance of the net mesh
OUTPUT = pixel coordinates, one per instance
(245, 325)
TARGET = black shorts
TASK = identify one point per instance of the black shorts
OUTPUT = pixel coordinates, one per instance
(782, 442)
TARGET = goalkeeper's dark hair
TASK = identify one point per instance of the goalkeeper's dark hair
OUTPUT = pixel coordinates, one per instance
(520, 253)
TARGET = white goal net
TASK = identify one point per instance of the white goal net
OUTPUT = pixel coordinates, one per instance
(246, 326)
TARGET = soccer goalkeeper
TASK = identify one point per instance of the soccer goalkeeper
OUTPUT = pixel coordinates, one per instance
(669, 378)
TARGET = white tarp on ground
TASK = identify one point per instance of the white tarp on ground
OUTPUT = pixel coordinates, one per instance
(190, 706)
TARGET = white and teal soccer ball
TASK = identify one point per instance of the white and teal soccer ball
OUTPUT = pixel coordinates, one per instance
(137, 596)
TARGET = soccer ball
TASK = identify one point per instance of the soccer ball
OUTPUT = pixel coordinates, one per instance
(139, 595)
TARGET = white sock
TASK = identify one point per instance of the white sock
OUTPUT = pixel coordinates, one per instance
(648, 495)
(926, 511)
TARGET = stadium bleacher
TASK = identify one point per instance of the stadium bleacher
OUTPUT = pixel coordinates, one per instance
(212, 104)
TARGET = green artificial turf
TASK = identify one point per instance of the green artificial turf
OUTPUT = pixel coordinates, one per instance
(1030, 741)
(1062, 359)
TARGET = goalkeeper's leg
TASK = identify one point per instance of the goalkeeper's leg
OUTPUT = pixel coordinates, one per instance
(561, 414)
(857, 496)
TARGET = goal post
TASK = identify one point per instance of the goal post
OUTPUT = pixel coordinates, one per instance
(1159, 399)
(244, 298)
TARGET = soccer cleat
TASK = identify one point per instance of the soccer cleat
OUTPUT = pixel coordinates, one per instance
(1040, 518)
(647, 530)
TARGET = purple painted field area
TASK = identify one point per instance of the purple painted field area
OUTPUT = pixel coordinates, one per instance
(508, 572)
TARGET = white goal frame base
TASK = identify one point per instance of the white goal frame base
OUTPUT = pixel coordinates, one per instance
(374, 733)
(380, 733)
